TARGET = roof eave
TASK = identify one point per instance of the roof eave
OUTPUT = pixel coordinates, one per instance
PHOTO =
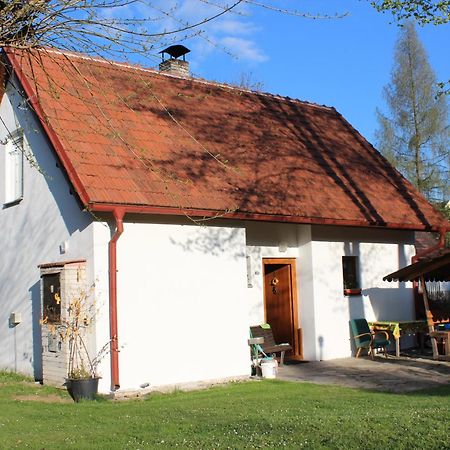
(241, 215)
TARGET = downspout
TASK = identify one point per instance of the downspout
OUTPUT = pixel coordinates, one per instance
(113, 334)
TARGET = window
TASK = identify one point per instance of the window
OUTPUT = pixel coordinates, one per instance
(350, 275)
(14, 168)
(51, 293)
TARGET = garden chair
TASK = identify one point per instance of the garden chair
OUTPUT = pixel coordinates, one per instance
(269, 345)
(366, 339)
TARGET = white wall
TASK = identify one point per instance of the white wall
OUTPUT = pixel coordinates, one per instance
(182, 307)
(324, 311)
(263, 241)
(32, 232)
(307, 312)
(379, 253)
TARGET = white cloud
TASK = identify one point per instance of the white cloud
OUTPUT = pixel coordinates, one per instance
(244, 49)
(225, 33)
(233, 26)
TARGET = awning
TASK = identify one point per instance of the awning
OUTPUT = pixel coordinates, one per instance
(435, 268)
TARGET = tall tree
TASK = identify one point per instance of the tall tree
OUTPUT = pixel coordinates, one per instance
(415, 134)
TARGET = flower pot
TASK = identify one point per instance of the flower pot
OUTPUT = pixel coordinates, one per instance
(356, 291)
(85, 389)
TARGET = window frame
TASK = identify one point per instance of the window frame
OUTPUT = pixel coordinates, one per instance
(51, 307)
(14, 169)
(351, 275)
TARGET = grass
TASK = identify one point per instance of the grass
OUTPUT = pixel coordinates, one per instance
(267, 414)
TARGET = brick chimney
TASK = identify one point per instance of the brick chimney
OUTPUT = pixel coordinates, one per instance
(174, 65)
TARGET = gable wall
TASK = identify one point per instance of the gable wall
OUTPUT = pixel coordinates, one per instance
(32, 232)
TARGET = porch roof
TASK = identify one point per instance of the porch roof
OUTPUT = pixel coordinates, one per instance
(436, 268)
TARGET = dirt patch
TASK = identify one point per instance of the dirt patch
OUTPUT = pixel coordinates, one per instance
(25, 383)
(51, 398)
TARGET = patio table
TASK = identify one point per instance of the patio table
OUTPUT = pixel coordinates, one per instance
(400, 328)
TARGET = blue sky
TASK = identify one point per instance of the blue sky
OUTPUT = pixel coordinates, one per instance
(341, 62)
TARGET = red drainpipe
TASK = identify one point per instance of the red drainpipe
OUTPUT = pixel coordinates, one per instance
(118, 216)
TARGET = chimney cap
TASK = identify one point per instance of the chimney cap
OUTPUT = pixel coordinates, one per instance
(175, 51)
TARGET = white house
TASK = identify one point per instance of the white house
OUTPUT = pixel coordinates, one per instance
(197, 210)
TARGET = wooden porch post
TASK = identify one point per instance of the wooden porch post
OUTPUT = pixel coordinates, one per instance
(429, 317)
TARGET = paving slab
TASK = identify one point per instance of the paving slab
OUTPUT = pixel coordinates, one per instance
(392, 374)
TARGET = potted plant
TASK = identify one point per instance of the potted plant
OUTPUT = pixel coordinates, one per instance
(77, 320)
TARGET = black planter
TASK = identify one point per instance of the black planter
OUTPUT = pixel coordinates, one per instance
(85, 389)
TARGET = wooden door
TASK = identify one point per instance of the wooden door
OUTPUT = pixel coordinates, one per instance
(280, 301)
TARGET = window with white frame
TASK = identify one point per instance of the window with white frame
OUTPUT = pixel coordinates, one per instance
(14, 167)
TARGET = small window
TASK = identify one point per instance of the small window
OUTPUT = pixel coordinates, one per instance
(51, 293)
(14, 168)
(350, 275)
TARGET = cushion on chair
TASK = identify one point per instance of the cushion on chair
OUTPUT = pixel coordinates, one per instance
(365, 344)
(380, 342)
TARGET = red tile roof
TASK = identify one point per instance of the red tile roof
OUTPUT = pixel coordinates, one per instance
(135, 137)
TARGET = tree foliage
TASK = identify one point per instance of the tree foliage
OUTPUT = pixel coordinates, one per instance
(436, 12)
(98, 26)
(415, 134)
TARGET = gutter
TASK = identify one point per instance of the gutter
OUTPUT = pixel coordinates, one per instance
(240, 215)
(113, 328)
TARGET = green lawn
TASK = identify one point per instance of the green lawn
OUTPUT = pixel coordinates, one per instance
(267, 414)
